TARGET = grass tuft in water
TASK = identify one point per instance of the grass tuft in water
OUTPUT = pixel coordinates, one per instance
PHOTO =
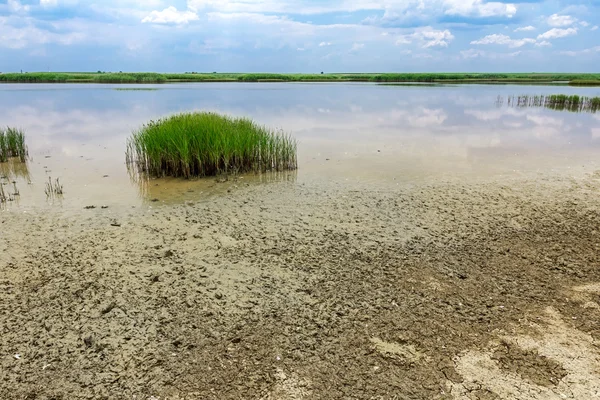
(207, 144)
(12, 144)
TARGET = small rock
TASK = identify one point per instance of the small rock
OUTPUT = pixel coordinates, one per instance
(218, 296)
(169, 253)
(108, 308)
(89, 207)
(88, 341)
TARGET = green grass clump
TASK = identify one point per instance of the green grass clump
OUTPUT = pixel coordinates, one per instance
(206, 144)
(12, 144)
(146, 77)
(142, 77)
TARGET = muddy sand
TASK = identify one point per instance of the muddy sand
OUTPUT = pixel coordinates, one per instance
(487, 289)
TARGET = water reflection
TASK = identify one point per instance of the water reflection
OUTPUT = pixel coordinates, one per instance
(572, 103)
(174, 190)
(349, 133)
(13, 169)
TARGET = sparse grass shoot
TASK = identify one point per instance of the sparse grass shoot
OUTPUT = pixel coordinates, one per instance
(53, 189)
(207, 144)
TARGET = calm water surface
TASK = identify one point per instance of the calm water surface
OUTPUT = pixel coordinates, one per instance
(348, 133)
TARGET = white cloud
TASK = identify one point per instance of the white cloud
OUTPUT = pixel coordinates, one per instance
(543, 43)
(27, 35)
(427, 37)
(525, 29)
(393, 9)
(479, 8)
(556, 33)
(572, 53)
(357, 46)
(595, 28)
(48, 3)
(282, 6)
(171, 15)
(323, 44)
(561, 20)
(472, 53)
(585, 24)
(16, 6)
(503, 40)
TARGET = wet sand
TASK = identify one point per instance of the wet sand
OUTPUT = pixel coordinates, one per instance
(479, 288)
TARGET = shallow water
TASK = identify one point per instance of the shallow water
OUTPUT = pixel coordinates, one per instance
(349, 134)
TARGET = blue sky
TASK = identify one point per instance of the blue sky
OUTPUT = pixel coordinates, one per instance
(300, 35)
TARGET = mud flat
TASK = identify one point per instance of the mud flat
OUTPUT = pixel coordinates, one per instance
(479, 289)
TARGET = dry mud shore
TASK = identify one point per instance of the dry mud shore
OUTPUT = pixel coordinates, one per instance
(486, 289)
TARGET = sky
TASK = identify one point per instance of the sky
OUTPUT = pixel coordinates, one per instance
(307, 36)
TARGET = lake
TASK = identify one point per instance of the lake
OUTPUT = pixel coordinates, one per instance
(349, 134)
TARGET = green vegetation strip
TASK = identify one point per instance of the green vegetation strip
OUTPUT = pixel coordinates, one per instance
(148, 77)
(205, 144)
(12, 144)
(573, 103)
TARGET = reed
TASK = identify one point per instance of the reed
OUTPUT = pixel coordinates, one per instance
(53, 189)
(146, 77)
(12, 144)
(207, 144)
(572, 103)
(5, 194)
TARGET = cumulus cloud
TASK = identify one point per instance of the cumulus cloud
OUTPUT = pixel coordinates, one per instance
(525, 29)
(472, 53)
(48, 3)
(593, 50)
(393, 9)
(479, 8)
(543, 43)
(595, 28)
(503, 40)
(556, 33)
(561, 20)
(427, 37)
(323, 44)
(16, 6)
(282, 6)
(475, 53)
(170, 15)
(357, 46)
(29, 35)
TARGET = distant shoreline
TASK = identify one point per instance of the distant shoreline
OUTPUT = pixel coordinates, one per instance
(154, 78)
